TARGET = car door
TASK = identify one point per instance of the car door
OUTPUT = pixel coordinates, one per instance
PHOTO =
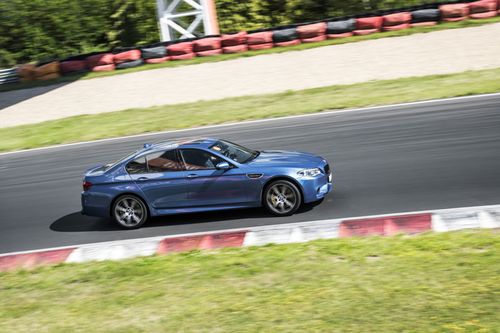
(208, 186)
(161, 177)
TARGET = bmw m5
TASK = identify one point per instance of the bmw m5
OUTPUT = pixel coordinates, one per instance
(195, 175)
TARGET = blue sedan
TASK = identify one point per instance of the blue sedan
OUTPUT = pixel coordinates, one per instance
(197, 175)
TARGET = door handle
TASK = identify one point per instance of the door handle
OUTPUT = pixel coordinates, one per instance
(142, 179)
(191, 176)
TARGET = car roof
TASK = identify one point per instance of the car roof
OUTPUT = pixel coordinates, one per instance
(182, 143)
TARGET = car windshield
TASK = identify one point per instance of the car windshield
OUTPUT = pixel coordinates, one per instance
(235, 152)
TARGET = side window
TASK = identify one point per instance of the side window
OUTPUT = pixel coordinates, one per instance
(137, 166)
(164, 161)
(196, 159)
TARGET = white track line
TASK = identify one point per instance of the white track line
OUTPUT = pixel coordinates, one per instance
(256, 228)
(251, 122)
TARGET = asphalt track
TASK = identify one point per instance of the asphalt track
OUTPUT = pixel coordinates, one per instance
(413, 157)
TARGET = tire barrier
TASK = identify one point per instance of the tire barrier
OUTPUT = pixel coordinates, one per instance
(50, 76)
(368, 25)
(181, 51)
(47, 71)
(235, 49)
(454, 12)
(444, 220)
(103, 68)
(158, 52)
(209, 53)
(156, 60)
(312, 32)
(396, 21)
(207, 46)
(101, 59)
(286, 37)
(483, 9)
(340, 29)
(127, 56)
(425, 17)
(73, 66)
(234, 39)
(260, 40)
(26, 72)
(8, 75)
(129, 64)
(234, 43)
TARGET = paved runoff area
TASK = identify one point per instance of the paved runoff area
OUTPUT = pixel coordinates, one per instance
(383, 225)
(441, 52)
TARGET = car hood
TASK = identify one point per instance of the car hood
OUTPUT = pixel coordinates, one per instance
(287, 158)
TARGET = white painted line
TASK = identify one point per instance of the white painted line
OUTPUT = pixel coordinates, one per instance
(251, 122)
(118, 251)
(309, 230)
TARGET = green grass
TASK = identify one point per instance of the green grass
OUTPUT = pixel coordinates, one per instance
(443, 283)
(442, 26)
(170, 117)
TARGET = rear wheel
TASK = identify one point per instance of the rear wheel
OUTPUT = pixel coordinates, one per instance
(129, 212)
(282, 198)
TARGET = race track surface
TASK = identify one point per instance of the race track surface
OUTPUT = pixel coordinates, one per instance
(399, 158)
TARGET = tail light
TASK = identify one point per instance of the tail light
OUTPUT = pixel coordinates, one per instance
(87, 185)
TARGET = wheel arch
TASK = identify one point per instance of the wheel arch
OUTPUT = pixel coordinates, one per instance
(110, 210)
(287, 178)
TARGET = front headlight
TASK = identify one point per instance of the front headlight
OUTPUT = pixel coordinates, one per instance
(309, 172)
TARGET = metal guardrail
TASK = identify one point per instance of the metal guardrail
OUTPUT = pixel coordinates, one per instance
(8, 75)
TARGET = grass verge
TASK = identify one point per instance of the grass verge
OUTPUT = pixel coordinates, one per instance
(446, 283)
(170, 117)
(199, 60)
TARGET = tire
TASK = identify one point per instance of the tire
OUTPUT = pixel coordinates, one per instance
(129, 212)
(282, 198)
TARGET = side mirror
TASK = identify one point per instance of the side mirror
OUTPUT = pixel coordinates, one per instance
(223, 166)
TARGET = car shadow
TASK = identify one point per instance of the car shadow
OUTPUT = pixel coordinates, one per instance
(76, 222)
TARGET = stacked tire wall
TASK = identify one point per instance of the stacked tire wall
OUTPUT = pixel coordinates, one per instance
(394, 20)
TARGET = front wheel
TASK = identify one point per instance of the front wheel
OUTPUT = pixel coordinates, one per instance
(129, 212)
(282, 198)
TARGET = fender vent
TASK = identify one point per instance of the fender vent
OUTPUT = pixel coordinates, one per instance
(254, 175)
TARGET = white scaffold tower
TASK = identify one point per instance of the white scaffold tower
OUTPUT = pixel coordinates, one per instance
(179, 19)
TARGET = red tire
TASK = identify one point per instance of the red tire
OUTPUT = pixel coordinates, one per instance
(344, 35)
(423, 24)
(235, 49)
(260, 46)
(314, 39)
(206, 44)
(156, 60)
(127, 56)
(229, 40)
(311, 31)
(396, 27)
(396, 19)
(73, 66)
(256, 38)
(209, 53)
(365, 32)
(288, 43)
(103, 68)
(185, 56)
(100, 59)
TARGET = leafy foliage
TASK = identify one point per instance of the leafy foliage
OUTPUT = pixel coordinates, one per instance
(46, 29)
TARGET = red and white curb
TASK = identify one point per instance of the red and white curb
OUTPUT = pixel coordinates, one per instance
(390, 224)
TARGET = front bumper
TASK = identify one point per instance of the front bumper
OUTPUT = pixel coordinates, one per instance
(316, 188)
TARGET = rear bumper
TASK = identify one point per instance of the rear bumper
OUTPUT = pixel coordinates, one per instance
(94, 204)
